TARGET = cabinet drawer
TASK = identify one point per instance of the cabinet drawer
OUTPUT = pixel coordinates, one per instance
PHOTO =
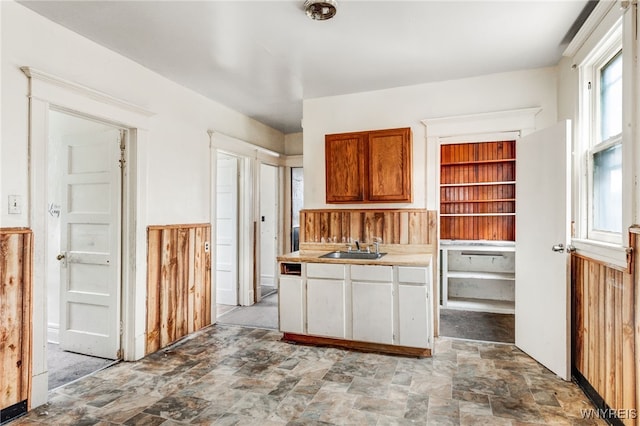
(413, 275)
(325, 270)
(371, 273)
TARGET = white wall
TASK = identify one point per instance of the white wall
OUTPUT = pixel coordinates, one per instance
(293, 144)
(405, 107)
(178, 173)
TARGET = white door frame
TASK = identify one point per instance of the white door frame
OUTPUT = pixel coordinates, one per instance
(475, 127)
(46, 91)
(250, 157)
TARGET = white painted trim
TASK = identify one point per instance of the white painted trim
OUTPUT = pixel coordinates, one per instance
(293, 161)
(604, 252)
(85, 92)
(481, 137)
(596, 16)
(53, 333)
(522, 120)
(47, 91)
(237, 146)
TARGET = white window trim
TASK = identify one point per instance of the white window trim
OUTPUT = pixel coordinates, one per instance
(606, 41)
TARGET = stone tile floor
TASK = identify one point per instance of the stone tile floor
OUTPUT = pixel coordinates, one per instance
(228, 375)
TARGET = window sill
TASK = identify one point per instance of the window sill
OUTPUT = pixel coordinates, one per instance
(613, 254)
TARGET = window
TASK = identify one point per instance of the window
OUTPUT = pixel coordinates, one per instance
(602, 141)
(605, 156)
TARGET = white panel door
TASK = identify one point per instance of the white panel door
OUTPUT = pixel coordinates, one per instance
(543, 195)
(268, 223)
(227, 230)
(90, 244)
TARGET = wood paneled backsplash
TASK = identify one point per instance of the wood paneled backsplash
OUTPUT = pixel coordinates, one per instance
(16, 266)
(606, 332)
(402, 226)
(178, 283)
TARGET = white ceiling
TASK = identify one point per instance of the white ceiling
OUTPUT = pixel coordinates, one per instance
(262, 58)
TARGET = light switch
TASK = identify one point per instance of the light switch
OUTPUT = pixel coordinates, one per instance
(15, 204)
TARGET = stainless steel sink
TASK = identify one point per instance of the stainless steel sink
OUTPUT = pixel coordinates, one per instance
(352, 255)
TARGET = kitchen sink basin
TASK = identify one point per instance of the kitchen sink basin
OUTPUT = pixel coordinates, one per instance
(352, 255)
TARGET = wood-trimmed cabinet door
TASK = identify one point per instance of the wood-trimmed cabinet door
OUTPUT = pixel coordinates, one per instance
(390, 165)
(369, 167)
(345, 167)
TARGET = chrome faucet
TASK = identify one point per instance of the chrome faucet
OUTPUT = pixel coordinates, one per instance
(376, 244)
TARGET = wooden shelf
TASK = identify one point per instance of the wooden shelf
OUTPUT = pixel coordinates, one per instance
(509, 182)
(497, 200)
(479, 275)
(481, 305)
(475, 214)
(466, 163)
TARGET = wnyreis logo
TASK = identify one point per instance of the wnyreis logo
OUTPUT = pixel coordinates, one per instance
(609, 413)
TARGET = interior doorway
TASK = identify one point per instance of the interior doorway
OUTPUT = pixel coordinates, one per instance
(477, 240)
(83, 253)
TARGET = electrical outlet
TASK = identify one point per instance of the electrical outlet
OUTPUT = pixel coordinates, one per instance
(206, 247)
(15, 204)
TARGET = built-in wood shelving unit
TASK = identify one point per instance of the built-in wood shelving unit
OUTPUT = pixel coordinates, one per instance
(477, 191)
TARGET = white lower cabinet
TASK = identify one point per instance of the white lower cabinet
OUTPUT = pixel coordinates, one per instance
(414, 307)
(368, 303)
(291, 304)
(413, 321)
(326, 308)
(372, 305)
(326, 300)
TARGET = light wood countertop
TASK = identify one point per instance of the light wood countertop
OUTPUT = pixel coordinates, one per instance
(391, 258)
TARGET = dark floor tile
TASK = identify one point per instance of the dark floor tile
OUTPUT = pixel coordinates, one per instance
(144, 419)
(516, 409)
(182, 409)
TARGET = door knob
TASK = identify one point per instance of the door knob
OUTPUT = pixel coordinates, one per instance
(60, 256)
(558, 248)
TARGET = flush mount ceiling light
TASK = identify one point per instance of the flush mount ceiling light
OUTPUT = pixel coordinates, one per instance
(320, 10)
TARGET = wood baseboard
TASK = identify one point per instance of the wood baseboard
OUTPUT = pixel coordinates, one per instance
(357, 346)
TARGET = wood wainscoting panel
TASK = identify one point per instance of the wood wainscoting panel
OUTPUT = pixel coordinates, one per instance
(16, 267)
(605, 331)
(178, 283)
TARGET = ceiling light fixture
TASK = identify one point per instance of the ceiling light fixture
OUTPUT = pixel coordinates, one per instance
(320, 10)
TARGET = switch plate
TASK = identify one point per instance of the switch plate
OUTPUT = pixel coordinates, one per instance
(15, 204)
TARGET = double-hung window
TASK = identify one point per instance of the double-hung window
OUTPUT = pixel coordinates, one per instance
(605, 154)
(601, 134)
